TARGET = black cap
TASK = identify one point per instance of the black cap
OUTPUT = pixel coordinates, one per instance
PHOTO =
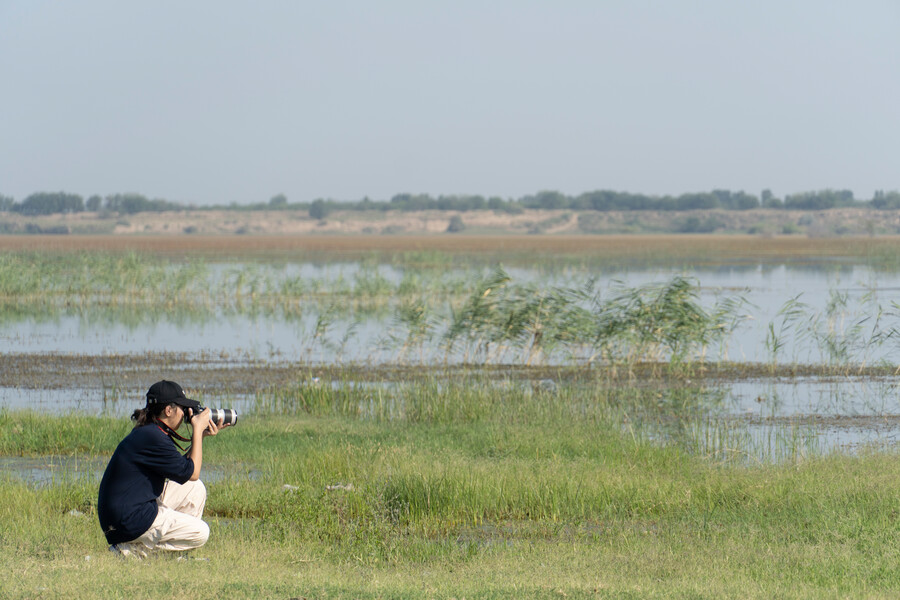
(169, 392)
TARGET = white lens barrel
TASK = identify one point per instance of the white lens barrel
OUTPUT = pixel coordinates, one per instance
(228, 415)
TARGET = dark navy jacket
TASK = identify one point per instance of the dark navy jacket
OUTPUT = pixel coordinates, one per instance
(134, 479)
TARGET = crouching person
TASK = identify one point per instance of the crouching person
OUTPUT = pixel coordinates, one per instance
(151, 497)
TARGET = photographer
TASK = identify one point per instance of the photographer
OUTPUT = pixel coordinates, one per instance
(151, 497)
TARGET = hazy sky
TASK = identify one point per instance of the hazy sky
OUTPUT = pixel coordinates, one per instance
(224, 101)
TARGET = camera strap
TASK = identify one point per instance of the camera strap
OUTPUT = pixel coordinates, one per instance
(173, 435)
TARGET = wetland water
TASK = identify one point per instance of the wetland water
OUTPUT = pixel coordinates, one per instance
(346, 313)
(815, 314)
(48, 470)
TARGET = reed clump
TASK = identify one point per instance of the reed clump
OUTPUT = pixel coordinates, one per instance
(655, 322)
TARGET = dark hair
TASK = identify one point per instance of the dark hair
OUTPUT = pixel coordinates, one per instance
(149, 414)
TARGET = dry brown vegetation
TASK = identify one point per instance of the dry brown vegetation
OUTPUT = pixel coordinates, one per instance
(715, 248)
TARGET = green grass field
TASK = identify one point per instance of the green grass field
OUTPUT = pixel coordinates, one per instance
(517, 499)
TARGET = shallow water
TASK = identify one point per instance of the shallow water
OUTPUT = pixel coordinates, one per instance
(98, 402)
(824, 397)
(807, 416)
(815, 335)
(50, 470)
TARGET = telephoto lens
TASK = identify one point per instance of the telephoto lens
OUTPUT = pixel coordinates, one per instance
(228, 416)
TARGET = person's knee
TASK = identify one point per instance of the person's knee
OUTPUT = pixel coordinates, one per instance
(202, 534)
(196, 538)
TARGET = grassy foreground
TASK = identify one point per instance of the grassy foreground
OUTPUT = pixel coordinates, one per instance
(498, 506)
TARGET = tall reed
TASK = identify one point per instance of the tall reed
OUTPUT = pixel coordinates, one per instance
(685, 416)
(649, 323)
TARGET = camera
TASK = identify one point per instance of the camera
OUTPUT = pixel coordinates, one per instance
(228, 415)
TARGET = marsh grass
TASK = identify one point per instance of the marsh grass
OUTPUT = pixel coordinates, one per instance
(430, 316)
(697, 417)
(490, 508)
(490, 319)
(694, 418)
(838, 335)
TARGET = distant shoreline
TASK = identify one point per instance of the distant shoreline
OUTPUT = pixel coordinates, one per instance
(835, 222)
(709, 249)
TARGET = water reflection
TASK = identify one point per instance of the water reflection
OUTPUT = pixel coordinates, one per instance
(846, 396)
(345, 313)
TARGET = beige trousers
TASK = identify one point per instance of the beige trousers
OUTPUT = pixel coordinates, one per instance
(178, 525)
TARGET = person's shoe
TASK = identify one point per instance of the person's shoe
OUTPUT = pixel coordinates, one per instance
(122, 550)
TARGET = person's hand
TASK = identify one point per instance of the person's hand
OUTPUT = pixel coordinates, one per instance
(212, 428)
(200, 421)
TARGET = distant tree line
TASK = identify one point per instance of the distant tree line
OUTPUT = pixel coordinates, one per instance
(49, 203)
(45, 203)
(607, 200)
(886, 200)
